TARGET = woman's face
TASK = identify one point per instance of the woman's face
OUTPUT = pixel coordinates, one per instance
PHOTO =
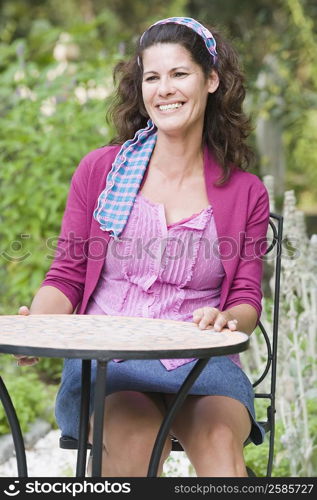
(175, 89)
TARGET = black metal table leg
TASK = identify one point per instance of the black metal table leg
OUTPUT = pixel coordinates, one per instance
(84, 418)
(170, 414)
(15, 430)
(99, 406)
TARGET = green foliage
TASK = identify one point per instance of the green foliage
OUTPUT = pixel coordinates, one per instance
(256, 456)
(303, 155)
(49, 370)
(51, 115)
(31, 398)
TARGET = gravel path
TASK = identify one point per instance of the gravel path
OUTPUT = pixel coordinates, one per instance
(46, 459)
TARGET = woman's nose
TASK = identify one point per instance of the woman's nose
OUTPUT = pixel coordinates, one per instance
(166, 86)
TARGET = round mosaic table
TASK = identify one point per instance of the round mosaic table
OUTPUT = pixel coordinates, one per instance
(103, 338)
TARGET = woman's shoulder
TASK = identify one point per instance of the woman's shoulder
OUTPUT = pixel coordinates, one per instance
(96, 163)
(104, 156)
(247, 180)
(239, 178)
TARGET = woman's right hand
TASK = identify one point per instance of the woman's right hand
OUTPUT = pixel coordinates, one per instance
(23, 360)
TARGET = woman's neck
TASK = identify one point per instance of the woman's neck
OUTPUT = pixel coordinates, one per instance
(177, 158)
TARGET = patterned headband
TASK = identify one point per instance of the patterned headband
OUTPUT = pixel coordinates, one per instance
(205, 34)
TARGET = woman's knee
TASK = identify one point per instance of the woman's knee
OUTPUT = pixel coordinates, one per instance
(218, 445)
(133, 438)
(130, 428)
(128, 449)
(138, 444)
(222, 435)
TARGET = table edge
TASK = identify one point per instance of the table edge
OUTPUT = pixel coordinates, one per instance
(50, 352)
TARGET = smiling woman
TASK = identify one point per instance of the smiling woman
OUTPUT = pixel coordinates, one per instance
(183, 227)
(175, 90)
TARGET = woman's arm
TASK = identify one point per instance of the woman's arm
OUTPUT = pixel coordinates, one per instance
(67, 272)
(246, 286)
(50, 300)
(242, 308)
(242, 317)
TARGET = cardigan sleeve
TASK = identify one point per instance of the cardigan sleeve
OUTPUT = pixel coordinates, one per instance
(68, 269)
(246, 287)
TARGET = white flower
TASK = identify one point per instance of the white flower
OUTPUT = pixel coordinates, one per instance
(81, 95)
(25, 92)
(98, 93)
(48, 106)
(64, 49)
(57, 71)
(60, 52)
(103, 130)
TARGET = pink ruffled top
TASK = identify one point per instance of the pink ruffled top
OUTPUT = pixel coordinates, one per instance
(159, 270)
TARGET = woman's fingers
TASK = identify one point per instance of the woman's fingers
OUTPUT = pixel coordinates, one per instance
(232, 324)
(23, 360)
(26, 360)
(225, 320)
(211, 316)
(24, 310)
(197, 315)
(205, 316)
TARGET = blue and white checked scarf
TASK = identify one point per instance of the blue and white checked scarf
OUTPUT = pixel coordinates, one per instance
(123, 182)
(124, 179)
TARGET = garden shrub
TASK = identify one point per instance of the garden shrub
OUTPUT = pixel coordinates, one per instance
(32, 399)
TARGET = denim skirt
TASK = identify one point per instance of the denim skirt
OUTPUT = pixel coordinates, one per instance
(221, 377)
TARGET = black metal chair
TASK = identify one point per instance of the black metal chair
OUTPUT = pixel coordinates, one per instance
(271, 342)
(276, 224)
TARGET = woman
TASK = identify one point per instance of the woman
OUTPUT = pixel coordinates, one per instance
(174, 179)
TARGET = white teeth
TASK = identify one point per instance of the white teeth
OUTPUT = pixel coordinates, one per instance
(165, 107)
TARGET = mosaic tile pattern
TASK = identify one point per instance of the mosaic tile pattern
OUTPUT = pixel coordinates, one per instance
(109, 333)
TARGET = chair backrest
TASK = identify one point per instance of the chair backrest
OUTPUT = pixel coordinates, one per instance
(276, 224)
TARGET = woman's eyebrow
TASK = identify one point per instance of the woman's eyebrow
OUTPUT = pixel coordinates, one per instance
(172, 69)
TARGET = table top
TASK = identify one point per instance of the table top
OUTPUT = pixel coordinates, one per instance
(109, 337)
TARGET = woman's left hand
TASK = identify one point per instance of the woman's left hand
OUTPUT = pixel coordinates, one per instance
(211, 316)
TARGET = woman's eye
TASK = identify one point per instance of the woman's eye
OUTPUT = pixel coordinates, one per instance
(150, 78)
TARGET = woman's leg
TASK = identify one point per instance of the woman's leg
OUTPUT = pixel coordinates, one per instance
(212, 430)
(132, 420)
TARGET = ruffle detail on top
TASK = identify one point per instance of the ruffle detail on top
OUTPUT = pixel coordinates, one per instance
(190, 244)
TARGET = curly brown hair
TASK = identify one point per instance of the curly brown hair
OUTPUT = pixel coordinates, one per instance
(226, 126)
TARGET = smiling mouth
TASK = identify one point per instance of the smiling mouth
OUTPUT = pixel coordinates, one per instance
(170, 107)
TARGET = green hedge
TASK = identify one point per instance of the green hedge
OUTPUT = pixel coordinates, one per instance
(31, 397)
(52, 114)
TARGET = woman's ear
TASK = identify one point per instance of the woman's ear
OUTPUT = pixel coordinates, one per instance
(213, 82)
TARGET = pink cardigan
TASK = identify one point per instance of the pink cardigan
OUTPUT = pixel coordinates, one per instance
(241, 212)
